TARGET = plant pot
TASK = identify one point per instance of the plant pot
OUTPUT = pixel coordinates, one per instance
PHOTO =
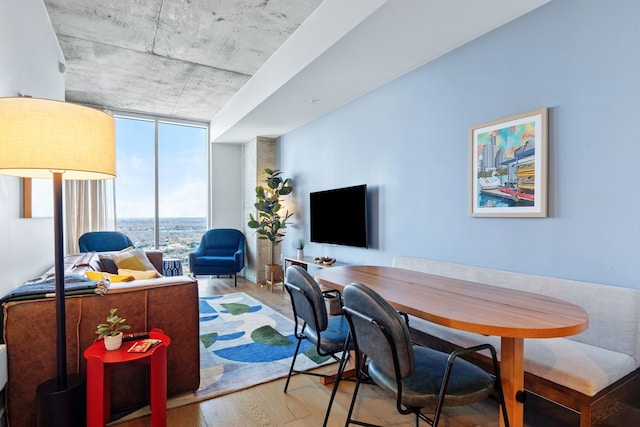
(273, 273)
(113, 342)
(300, 253)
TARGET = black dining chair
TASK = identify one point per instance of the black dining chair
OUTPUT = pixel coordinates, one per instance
(328, 334)
(418, 377)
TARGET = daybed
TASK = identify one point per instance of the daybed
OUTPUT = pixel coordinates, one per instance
(168, 303)
(590, 372)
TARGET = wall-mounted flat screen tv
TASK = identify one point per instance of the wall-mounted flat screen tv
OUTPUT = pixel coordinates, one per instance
(339, 216)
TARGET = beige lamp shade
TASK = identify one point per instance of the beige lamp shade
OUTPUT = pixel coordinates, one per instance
(40, 136)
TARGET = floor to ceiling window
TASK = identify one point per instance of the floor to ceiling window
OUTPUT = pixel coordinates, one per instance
(161, 184)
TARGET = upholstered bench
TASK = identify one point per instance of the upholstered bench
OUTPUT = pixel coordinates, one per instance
(588, 372)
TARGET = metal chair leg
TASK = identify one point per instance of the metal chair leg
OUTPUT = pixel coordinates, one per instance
(353, 402)
(295, 355)
(496, 371)
(343, 364)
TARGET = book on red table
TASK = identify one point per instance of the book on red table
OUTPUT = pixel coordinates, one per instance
(143, 345)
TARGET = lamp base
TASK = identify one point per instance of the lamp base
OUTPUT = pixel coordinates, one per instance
(63, 408)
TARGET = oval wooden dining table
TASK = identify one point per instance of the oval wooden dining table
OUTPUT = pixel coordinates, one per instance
(508, 313)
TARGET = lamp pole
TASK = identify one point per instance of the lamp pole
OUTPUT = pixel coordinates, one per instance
(61, 398)
(61, 340)
(42, 138)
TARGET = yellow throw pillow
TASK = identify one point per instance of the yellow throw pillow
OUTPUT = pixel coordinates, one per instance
(138, 274)
(97, 275)
(134, 259)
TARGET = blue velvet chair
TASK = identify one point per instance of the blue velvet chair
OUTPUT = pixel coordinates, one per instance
(103, 241)
(221, 252)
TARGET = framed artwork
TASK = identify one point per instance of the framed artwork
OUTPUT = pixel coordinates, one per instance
(509, 167)
(37, 198)
(27, 198)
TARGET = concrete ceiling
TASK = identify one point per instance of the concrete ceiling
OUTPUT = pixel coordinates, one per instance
(180, 58)
(239, 64)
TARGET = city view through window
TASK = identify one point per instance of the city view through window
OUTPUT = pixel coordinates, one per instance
(179, 236)
(181, 203)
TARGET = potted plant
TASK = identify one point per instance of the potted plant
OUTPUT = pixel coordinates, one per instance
(270, 223)
(300, 247)
(111, 331)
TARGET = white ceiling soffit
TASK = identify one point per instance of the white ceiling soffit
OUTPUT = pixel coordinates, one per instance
(348, 48)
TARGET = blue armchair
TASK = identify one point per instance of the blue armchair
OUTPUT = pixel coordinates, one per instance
(221, 251)
(103, 241)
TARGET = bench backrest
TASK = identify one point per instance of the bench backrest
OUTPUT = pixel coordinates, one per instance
(614, 312)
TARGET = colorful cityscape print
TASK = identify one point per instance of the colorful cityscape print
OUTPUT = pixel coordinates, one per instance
(505, 166)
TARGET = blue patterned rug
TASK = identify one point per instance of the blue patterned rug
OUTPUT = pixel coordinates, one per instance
(243, 343)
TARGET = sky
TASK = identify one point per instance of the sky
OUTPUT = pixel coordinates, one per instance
(182, 166)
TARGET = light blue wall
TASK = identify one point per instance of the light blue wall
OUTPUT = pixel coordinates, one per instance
(409, 141)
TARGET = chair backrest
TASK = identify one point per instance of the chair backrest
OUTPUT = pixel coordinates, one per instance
(222, 241)
(378, 330)
(306, 298)
(103, 241)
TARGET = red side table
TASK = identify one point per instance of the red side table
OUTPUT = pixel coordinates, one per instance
(100, 362)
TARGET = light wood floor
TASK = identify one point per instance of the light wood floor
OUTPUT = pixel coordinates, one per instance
(305, 402)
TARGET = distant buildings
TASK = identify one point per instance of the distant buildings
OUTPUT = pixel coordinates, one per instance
(177, 236)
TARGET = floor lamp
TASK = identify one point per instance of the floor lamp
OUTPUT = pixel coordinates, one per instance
(52, 139)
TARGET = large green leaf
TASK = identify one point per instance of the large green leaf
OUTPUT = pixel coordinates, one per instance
(285, 191)
(274, 182)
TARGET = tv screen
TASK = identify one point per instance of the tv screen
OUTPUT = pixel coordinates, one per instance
(339, 216)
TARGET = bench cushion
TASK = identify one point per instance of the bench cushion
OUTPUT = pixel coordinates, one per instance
(575, 365)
